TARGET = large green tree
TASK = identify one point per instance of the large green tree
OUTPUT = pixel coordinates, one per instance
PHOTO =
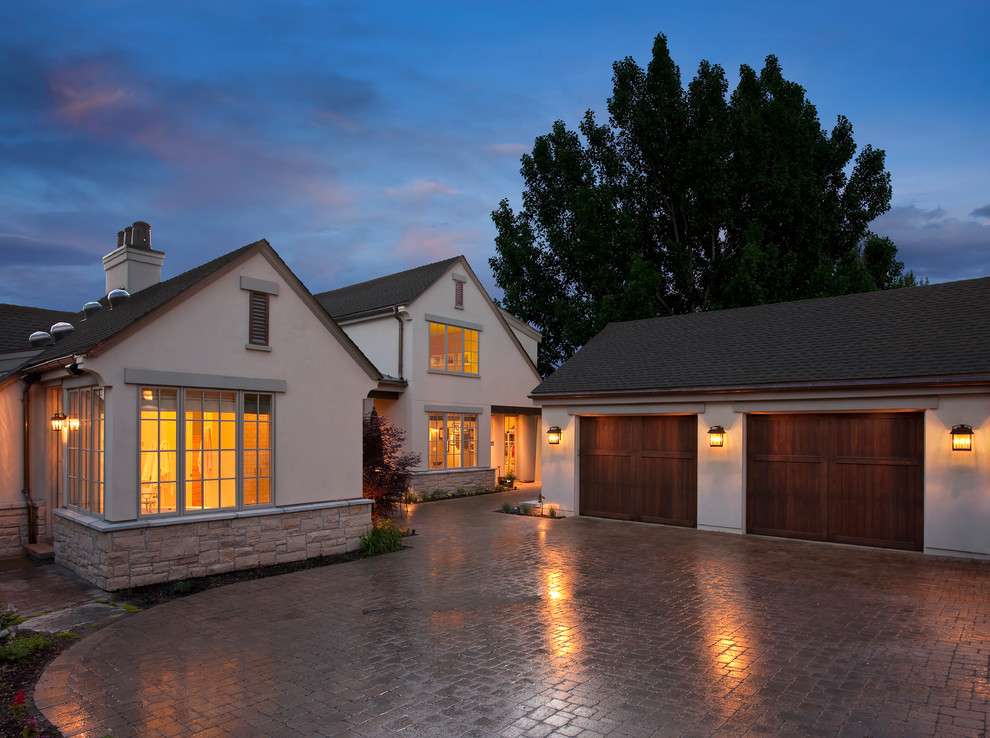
(690, 199)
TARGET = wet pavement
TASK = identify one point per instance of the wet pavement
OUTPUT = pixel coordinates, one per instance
(500, 625)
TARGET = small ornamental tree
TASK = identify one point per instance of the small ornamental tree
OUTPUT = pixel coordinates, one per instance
(386, 464)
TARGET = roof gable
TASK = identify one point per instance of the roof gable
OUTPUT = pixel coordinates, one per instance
(109, 325)
(910, 333)
(384, 292)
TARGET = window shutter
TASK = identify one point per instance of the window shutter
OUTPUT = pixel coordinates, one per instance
(258, 319)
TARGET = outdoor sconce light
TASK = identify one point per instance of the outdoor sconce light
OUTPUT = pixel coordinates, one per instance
(716, 436)
(73, 424)
(962, 438)
(58, 422)
(553, 435)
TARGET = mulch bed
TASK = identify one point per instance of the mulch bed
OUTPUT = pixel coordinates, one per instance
(22, 675)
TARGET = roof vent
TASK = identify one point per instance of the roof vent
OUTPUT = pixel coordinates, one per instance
(39, 339)
(118, 297)
(61, 330)
(91, 308)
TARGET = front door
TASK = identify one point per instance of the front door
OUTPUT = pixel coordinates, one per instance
(510, 445)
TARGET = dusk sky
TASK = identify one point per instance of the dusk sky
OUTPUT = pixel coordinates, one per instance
(364, 138)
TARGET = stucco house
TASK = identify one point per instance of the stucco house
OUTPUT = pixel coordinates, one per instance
(461, 368)
(184, 427)
(862, 419)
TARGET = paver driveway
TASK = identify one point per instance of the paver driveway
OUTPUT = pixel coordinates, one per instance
(494, 625)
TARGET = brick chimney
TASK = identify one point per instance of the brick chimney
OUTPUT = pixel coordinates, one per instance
(133, 265)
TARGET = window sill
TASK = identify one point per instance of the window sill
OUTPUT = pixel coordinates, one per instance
(106, 526)
(454, 374)
(257, 347)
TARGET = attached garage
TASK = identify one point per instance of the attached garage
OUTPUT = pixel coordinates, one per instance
(845, 478)
(640, 468)
(826, 419)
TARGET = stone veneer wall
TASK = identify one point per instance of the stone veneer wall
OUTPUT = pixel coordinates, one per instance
(451, 480)
(14, 528)
(137, 556)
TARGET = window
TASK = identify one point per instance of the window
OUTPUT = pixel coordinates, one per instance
(258, 319)
(453, 349)
(84, 451)
(204, 450)
(453, 440)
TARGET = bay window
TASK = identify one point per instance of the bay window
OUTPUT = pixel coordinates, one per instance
(204, 450)
(453, 440)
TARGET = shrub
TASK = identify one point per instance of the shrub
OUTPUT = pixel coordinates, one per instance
(507, 507)
(526, 509)
(20, 646)
(552, 511)
(386, 465)
(383, 537)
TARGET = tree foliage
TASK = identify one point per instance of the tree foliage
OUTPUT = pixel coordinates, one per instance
(690, 199)
(386, 463)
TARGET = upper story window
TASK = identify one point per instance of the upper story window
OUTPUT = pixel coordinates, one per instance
(453, 348)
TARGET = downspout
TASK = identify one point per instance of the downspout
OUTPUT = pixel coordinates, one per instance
(396, 314)
(32, 512)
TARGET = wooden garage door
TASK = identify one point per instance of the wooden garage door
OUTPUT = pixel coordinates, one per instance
(640, 468)
(854, 478)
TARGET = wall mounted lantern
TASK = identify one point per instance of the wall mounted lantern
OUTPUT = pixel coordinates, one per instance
(962, 438)
(716, 436)
(553, 435)
(58, 422)
(73, 423)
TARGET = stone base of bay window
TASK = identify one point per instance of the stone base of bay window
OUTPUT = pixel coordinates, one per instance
(14, 528)
(116, 556)
(452, 480)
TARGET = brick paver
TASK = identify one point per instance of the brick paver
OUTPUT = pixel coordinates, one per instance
(497, 625)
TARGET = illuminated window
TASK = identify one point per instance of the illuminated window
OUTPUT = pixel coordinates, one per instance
(453, 440)
(453, 349)
(219, 457)
(84, 449)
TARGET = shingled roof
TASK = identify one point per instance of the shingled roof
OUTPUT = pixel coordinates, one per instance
(385, 292)
(929, 333)
(17, 322)
(106, 323)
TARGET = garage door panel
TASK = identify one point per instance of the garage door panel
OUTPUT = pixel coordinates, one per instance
(669, 489)
(786, 498)
(884, 437)
(869, 475)
(640, 468)
(875, 504)
(606, 484)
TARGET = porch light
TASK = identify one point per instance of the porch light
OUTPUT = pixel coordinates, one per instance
(58, 422)
(716, 436)
(962, 438)
(73, 423)
(553, 435)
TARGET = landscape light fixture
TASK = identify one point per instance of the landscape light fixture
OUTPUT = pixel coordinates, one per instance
(553, 435)
(962, 438)
(716, 436)
(58, 422)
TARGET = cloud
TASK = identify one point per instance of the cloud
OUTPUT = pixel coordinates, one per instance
(983, 212)
(420, 190)
(937, 245)
(423, 245)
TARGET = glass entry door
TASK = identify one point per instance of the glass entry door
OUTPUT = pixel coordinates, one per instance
(510, 445)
